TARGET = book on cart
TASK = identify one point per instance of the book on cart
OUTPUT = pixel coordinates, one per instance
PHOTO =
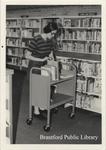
(50, 70)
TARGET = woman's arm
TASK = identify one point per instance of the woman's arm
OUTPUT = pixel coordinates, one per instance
(30, 57)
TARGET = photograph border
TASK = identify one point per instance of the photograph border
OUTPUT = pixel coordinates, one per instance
(5, 146)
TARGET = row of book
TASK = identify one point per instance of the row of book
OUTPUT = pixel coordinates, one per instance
(13, 32)
(88, 68)
(13, 42)
(25, 43)
(88, 102)
(13, 23)
(19, 62)
(24, 33)
(29, 33)
(81, 85)
(94, 85)
(89, 85)
(23, 23)
(34, 23)
(73, 46)
(15, 52)
(81, 35)
(84, 68)
(82, 22)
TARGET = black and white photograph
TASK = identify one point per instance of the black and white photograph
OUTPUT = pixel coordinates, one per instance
(53, 74)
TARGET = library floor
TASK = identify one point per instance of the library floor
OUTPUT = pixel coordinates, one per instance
(78, 130)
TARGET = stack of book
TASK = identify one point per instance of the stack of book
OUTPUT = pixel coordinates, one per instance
(51, 69)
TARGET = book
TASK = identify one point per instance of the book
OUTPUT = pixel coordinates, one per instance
(50, 71)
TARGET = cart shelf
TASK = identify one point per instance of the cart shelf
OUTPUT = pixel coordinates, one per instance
(59, 99)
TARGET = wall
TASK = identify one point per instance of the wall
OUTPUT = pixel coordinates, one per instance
(71, 10)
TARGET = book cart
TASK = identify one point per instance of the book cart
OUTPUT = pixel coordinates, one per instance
(40, 89)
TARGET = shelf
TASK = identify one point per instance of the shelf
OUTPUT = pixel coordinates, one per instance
(13, 46)
(8, 19)
(61, 80)
(93, 93)
(80, 56)
(82, 28)
(14, 56)
(89, 76)
(12, 27)
(16, 65)
(31, 18)
(60, 99)
(11, 66)
(80, 52)
(81, 17)
(81, 91)
(89, 93)
(79, 40)
(17, 37)
(27, 27)
(28, 38)
(89, 109)
(24, 47)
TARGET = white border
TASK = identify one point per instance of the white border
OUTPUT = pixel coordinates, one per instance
(3, 4)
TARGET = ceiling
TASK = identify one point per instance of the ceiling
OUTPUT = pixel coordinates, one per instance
(17, 7)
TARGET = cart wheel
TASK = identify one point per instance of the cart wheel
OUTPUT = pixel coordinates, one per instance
(29, 121)
(46, 128)
(71, 115)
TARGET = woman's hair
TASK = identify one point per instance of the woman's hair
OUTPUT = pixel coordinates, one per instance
(51, 26)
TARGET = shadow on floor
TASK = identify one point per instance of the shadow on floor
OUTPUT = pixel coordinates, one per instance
(18, 80)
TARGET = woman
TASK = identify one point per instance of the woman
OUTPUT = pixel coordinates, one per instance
(40, 48)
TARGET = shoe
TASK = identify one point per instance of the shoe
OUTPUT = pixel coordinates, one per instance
(40, 116)
(67, 105)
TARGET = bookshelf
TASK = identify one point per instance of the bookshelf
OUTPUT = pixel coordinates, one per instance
(19, 33)
(82, 34)
(88, 89)
(79, 43)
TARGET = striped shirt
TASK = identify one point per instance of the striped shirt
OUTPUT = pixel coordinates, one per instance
(39, 47)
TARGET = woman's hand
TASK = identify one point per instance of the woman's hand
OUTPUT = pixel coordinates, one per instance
(28, 54)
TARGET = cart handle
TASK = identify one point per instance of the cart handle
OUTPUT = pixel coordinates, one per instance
(72, 65)
(38, 69)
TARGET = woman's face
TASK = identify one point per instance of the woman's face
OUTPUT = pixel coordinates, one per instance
(51, 34)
